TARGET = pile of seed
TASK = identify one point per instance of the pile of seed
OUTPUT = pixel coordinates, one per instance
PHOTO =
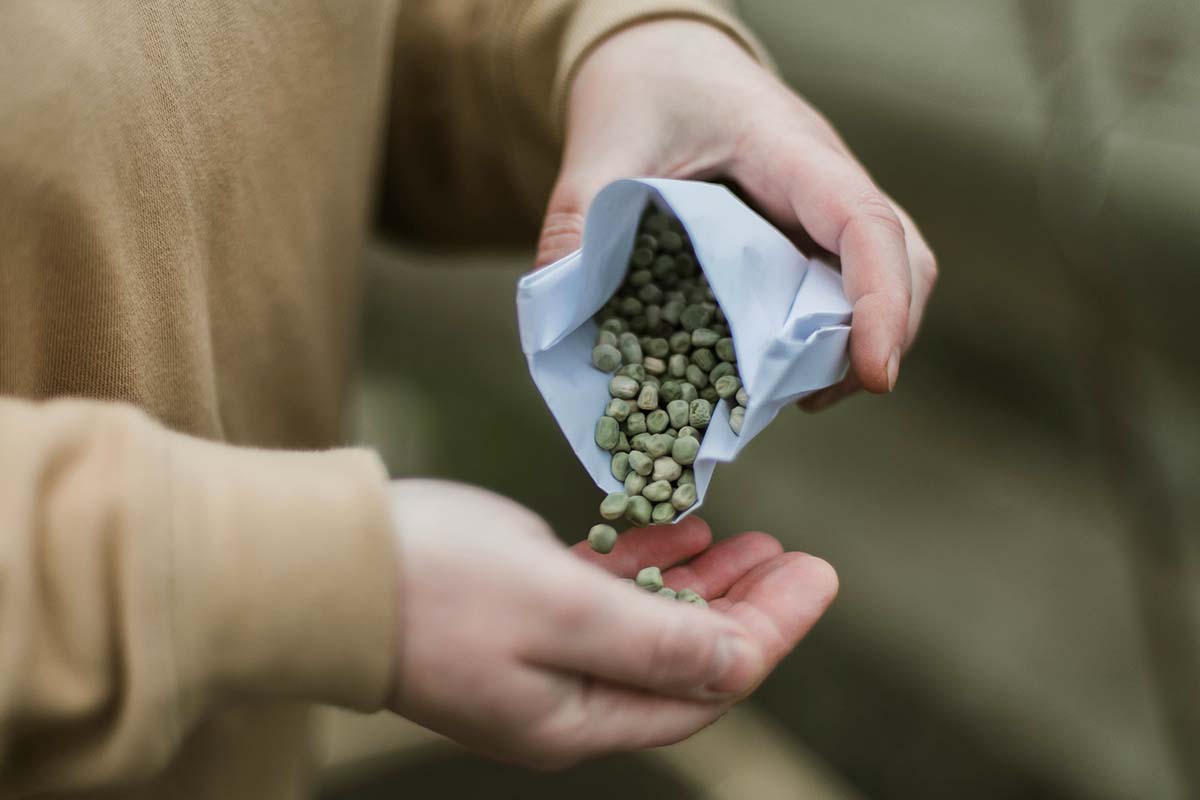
(669, 345)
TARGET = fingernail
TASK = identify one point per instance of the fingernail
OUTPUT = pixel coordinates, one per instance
(893, 369)
(735, 666)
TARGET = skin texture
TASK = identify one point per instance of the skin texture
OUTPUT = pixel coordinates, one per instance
(680, 99)
(533, 653)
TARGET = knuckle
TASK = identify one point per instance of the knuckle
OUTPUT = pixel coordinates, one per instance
(678, 655)
(871, 207)
(926, 267)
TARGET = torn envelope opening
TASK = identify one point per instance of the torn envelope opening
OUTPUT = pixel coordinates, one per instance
(787, 314)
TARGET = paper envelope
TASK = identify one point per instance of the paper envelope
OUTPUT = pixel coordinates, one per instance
(787, 314)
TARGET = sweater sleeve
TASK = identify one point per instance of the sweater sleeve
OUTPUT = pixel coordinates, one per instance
(146, 577)
(478, 102)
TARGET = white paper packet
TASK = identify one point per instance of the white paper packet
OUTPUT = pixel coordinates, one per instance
(787, 314)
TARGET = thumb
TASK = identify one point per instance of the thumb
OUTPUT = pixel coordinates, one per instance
(562, 229)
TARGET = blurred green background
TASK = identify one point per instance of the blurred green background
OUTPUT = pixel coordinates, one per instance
(1014, 527)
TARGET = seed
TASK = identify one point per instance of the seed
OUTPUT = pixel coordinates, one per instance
(665, 469)
(658, 445)
(703, 337)
(618, 409)
(699, 413)
(634, 484)
(605, 357)
(602, 538)
(657, 347)
(656, 421)
(690, 596)
(667, 593)
(648, 399)
(622, 445)
(710, 394)
(657, 491)
(677, 411)
(692, 317)
(685, 265)
(687, 392)
(685, 448)
(631, 307)
(638, 323)
(680, 342)
(704, 359)
(724, 350)
(651, 380)
(696, 376)
(663, 267)
(736, 418)
(656, 222)
(623, 387)
(615, 325)
(647, 241)
(605, 337)
(635, 371)
(638, 511)
(668, 390)
(620, 466)
(638, 442)
(608, 433)
(654, 366)
(742, 398)
(688, 430)
(653, 316)
(670, 241)
(662, 513)
(630, 347)
(727, 386)
(640, 463)
(684, 497)
(677, 365)
(642, 257)
(614, 505)
(650, 294)
(635, 423)
(649, 578)
(688, 478)
(721, 370)
(640, 277)
(671, 311)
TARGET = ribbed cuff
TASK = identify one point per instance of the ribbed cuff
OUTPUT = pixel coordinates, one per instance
(284, 574)
(595, 20)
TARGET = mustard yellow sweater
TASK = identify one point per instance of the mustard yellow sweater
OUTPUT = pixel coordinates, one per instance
(184, 194)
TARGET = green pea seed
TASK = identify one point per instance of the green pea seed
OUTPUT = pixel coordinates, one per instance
(658, 347)
(649, 578)
(699, 413)
(690, 596)
(606, 337)
(605, 357)
(647, 241)
(656, 421)
(688, 478)
(710, 394)
(631, 307)
(634, 484)
(608, 433)
(671, 311)
(635, 423)
(658, 445)
(670, 241)
(657, 491)
(703, 337)
(677, 412)
(685, 265)
(724, 350)
(653, 316)
(669, 390)
(630, 347)
(665, 469)
(602, 538)
(654, 366)
(662, 513)
(624, 387)
(727, 386)
(651, 380)
(663, 267)
(635, 371)
(614, 505)
(641, 463)
(680, 342)
(688, 430)
(687, 392)
(693, 316)
(651, 293)
(642, 257)
(677, 365)
(622, 445)
(696, 376)
(638, 323)
(618, 409)
(704, 359)
(640, 277)
(667, 593)
(684, 497)
(620, 466)
(615, 325)
(721, 370)
(742, 398)
(639, 511)
(737, 418)
(684, 449)
(638, 442)
(656, 222)
(648, 397)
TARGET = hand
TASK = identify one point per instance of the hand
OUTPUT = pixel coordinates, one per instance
(681, 99)
(519, 650)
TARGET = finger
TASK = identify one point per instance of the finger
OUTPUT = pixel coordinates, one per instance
(924, 274)
(843, 211)
(576, 187)
(714, 571)
(605, 630)
(818, 401)
(658, 546)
